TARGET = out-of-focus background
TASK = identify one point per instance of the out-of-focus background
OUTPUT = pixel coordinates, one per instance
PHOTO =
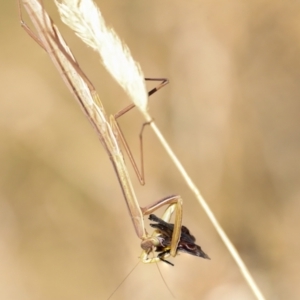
(231, 113)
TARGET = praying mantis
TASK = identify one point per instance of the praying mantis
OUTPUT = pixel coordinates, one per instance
(167, 239)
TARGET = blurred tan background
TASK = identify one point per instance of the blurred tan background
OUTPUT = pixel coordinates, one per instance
(231, 112)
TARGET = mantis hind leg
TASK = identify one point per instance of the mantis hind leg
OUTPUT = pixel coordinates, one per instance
(118, 132)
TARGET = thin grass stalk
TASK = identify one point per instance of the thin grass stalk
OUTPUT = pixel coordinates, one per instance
(85, 19)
